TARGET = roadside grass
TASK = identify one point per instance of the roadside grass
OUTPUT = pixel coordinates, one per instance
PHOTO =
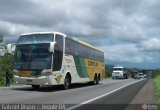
(157, 87)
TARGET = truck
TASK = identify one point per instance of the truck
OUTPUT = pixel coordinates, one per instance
(119, 73)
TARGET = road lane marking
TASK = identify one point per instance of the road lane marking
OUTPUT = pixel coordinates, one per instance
(98, 97)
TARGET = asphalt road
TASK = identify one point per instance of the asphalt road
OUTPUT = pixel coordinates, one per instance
(110, 94)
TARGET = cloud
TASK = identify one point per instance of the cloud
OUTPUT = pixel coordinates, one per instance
(153, 44)
(128, 31)
(126, 53)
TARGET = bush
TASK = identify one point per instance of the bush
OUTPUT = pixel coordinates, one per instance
(108, 72)
(2, 80)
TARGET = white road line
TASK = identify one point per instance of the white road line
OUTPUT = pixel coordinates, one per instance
(93, 99)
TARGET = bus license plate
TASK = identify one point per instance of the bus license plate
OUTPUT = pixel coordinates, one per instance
(25, 73)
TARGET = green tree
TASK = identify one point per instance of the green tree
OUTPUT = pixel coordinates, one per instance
(1, 38)
(108, 71)
(6, 61)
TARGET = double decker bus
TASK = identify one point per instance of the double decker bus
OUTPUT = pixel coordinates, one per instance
(53, 58)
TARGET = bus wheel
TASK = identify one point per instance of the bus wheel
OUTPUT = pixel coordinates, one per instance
(66, 82)
(96, 80)
(35, 86)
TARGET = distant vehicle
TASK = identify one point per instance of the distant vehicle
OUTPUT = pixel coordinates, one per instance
(137, 76)
(145, 76)
(53, 58)
(141, 75)
(119, 73)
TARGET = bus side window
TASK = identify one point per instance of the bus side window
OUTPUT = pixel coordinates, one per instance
(58, 54)
(67, 46)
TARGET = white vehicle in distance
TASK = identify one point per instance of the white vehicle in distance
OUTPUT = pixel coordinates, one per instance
(119, 73)
(142, 75)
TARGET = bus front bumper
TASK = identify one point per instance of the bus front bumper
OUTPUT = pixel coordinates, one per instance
(43, 80)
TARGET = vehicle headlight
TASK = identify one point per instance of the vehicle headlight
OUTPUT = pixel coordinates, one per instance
(46, 72)
(15, 72)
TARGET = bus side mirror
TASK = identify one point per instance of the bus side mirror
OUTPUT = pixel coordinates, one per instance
(52, 45)
(11, 48)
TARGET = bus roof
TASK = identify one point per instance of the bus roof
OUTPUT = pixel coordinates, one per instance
(44, 33)
(84, 43)
(72, 38)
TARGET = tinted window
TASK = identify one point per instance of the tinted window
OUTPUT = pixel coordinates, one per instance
(77, 49)
(58, 53)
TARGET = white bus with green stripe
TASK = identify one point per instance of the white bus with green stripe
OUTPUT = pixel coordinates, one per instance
(53, 58)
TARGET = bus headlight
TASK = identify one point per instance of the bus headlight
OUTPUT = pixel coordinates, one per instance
(46, 72)
(15, 72)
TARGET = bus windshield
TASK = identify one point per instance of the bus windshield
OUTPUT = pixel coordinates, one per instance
(118, 69)
(35, 38)
(32, 56)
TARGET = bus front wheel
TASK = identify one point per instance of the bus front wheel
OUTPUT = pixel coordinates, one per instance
(66, 82)
(35, 86)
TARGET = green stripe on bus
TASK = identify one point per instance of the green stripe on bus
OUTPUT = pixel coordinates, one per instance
(81, 67)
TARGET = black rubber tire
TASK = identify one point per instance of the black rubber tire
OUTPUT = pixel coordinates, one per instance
(67, 83)
(96, 80)
(35, 86)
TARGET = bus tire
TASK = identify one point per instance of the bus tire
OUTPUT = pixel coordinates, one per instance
(35, 86)
(67, 82)
(96, 80)
(99, 77)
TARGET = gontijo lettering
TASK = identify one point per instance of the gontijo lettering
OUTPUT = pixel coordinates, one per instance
(92, 63)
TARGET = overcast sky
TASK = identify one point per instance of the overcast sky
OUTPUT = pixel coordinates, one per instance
(127, 30)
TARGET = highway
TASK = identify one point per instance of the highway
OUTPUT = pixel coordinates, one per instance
(110, 94)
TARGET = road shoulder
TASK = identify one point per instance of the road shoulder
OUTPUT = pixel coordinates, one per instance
(144, 97)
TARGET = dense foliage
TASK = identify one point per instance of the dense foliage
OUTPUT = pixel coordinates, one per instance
(108, 71)
(6, 61)
(1, 38)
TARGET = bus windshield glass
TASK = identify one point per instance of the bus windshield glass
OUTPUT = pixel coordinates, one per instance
(118, 69)
(32, 56)
(35, 38)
